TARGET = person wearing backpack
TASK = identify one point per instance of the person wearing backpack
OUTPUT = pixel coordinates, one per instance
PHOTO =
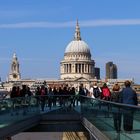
(96, 91)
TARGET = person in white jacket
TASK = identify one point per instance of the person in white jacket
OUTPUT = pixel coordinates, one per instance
(95, 91)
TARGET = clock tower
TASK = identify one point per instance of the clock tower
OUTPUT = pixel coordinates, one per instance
(14, 71)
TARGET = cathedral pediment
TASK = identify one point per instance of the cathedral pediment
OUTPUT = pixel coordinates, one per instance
(82, 79)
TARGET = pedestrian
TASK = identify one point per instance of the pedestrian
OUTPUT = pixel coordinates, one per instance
(96, 91)
(115, 96)
(50, 97)
(128, 96)
(106, 94)
(82, 93)
(42, 97)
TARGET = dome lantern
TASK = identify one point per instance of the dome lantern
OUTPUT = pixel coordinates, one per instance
(77, 45)
(77, 35)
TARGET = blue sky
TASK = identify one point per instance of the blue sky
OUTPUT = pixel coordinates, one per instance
(38, 31)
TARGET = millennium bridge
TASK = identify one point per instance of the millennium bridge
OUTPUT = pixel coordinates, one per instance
(93, 117)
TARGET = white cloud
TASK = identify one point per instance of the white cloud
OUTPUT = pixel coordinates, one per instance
(84, 23)
(38, 25)
(110, 22)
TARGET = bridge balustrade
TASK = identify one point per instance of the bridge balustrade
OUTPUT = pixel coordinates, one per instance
(99, 113)
(115, 120)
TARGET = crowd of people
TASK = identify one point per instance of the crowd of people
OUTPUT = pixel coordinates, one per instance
(125, 95)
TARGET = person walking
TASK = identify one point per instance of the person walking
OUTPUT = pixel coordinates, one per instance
(97, 91)
(42, 97)
(106, 94)
(50, 97)
(115, 96)
(128, 96)
(82, 93)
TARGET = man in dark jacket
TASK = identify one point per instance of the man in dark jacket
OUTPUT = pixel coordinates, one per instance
(81, 93)
(128, 96)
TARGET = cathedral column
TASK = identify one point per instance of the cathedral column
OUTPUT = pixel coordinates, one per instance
(61, 68)
(88, 68)
(73, 68)
(67, 68)
(64, 68)
(85, 68)
(77, 68)
(80, 68)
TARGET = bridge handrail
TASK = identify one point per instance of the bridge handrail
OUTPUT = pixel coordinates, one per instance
(70, 96)
(113, 103)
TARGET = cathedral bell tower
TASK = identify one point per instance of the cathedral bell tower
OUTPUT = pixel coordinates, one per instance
(14, 71)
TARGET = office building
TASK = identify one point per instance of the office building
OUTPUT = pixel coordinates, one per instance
(111, 70)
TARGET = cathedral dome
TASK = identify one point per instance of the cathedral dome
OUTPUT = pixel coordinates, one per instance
(77, 46)
(77, 60)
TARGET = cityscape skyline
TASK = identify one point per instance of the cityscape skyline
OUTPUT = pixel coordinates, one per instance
(38, 32)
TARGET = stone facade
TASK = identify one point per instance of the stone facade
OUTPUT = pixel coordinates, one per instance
(14, 71)
(77, 61)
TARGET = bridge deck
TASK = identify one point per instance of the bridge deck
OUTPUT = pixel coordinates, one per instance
(90, 115)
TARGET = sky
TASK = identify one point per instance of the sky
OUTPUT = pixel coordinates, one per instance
(38, 31)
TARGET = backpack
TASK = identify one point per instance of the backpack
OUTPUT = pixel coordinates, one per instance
(96, 92)
(106, 92)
